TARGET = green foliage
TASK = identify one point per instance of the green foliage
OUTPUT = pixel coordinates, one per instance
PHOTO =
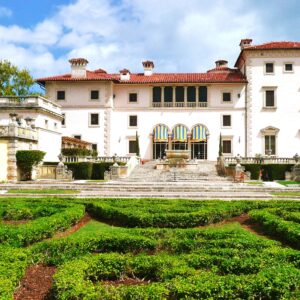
(277, 226)
(101, 261)
(88, 170)
(137, 144)
(26, 159)
(40, 228)
(254, 169)
(13, 263)
(76, 152)
(14, 82)
(174, 214)
(220, 146)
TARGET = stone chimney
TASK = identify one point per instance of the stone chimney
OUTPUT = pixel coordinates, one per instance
(148, 67)
(124, 74)
(245, 43)
(221, 63)
(78, 67)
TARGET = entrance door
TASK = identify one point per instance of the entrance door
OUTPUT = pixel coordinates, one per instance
(199, 150)
(179, 146)
(159, 149)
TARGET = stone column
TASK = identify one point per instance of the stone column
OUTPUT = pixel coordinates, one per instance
(170, 140)
(189, 136)
(12, 174)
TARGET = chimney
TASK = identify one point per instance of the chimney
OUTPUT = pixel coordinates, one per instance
(78, 67)
(245, 43)
(124, 74)
(148, 67)
(221, 63)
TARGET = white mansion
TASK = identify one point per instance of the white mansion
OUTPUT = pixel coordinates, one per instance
(254, 106)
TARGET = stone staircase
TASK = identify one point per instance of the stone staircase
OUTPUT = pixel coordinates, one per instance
(205, 171)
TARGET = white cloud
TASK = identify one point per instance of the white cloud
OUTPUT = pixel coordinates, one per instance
(5, 12)
(183, 36)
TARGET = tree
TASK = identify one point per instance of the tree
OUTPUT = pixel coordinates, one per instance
(13, 81)
(137, 144)
(220, 146)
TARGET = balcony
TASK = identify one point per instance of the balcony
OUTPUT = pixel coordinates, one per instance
(179, 104)
(16, 102)
(15, 131)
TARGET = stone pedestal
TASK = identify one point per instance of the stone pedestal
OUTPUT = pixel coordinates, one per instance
(12, 174)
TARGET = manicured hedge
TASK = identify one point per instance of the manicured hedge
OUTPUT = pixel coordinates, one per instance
(13, 263)
(274, 225)
(270, 172)
(168, 277)
(41, 228)
(89, 170)
(158, 216)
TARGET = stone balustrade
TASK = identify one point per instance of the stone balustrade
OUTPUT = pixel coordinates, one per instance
(98, 159)
(29, 101)
(260, 160)
(15, 131)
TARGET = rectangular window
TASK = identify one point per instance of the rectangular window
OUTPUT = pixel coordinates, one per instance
(226, 120)
(226, 97)
(78, 137)
(179, 94)
(202, 94)
(133, 97)
(168, 94)
(95, 95)
(95, 147)
(226, 144)
(61, 95)
(191, 94)
(288, 67)
(132, 121)
(269, 67)
(63, 121)
(94, 119)
(46, 124)
(156, 94)
(270, 98)
(270, 144)
(132, 147)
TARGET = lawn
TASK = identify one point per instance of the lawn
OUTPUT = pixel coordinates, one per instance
(42, 191)
(150, 248)
(287, 193)
(288, 182)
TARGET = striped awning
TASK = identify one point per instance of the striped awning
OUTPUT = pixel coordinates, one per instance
(199, 133)
(160, 133)
(179, 133)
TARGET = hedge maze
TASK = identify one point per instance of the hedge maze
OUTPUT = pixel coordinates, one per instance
(153, 249)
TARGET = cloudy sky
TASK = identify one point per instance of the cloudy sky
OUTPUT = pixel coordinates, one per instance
(178, 35)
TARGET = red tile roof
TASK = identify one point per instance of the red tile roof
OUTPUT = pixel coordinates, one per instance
(275, 46)
(71, 140)
(218, 75)
(270, 46)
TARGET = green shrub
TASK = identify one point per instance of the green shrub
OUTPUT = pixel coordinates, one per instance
(272, 172)
(254, 169)
(41, 228)
(76, 152)
(81, 170)
(26, 159)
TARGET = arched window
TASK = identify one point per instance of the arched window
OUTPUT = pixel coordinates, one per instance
(199, 134)
(179, 137)
(160, 141)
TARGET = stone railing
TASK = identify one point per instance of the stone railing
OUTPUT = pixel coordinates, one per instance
(178, 104)
(15, 131)
(29, 101)
(260, 160)
(98, 159)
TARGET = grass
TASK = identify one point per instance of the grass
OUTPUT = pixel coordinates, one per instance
(291, 193)
(97, 180)
(254, 182)
(288, 182)
(42, 191)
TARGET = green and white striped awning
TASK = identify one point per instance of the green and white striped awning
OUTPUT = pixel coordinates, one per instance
(179, 133)
(199, 133)
(160, 133)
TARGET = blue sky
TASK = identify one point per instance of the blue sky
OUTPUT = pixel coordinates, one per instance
(179, 36)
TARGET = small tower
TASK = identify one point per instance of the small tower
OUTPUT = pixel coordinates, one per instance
(148, 67)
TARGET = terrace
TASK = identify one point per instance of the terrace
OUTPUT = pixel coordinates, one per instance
(15, 131)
